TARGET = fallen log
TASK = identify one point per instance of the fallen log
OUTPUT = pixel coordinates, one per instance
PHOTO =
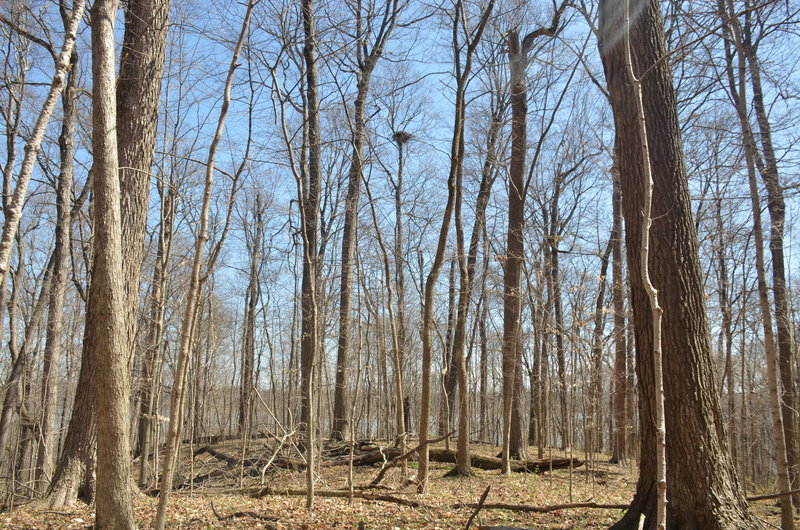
(263, 492)
(543, 509)
(286, 463)
(377, 456)
(489, 463)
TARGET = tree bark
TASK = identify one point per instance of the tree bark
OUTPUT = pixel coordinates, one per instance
(107, 289)
(704, 490)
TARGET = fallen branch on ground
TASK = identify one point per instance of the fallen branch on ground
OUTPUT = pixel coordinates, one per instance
(252, 515)
(400, 459)
(478, 507)
(772, 496)
(543, 509)
(263, 492)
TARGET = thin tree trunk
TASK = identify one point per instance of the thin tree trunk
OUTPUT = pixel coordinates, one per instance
(737, 86)
(193, 296)
(13, 209)
(595, 406)
(45, 461)
(252, 297)
(453, 189)
(309, 189)
(619, 450)
(512, 302)
(777, 213)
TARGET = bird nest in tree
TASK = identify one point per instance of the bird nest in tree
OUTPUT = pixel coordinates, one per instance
(401, 137)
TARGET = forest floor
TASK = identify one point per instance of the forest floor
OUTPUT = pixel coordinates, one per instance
(230, 500)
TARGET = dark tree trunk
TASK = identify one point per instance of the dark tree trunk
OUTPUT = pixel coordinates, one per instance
(703, 490)
(512, 302)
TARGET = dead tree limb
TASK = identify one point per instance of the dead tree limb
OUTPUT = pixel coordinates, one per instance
(262, 492)
(252, 515)
(402, 458)
(477, 508)
(543, 509)
(772, 496)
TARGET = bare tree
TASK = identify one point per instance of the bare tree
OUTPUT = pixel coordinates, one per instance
(373, 28)
(190, 313)
(517, 187)
(46, 456)
(462, 74)
(704, 491)
(106, 292)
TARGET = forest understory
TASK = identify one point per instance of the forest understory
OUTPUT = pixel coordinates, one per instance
(229, 496)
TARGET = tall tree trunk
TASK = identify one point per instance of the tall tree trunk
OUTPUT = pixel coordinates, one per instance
(462, 75)
(619, 445)
(368, 53)
(402, 415)
(449, 375)
(737, 85)
(704, 491)
(467, 262)
(148, 410)
(514, 443)
(595, 406)
(45, 460)
(554, 282)
(309, 190)
(107, 300)
(512, 301)
(137, 97)
(768, 168)
(252, 297)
